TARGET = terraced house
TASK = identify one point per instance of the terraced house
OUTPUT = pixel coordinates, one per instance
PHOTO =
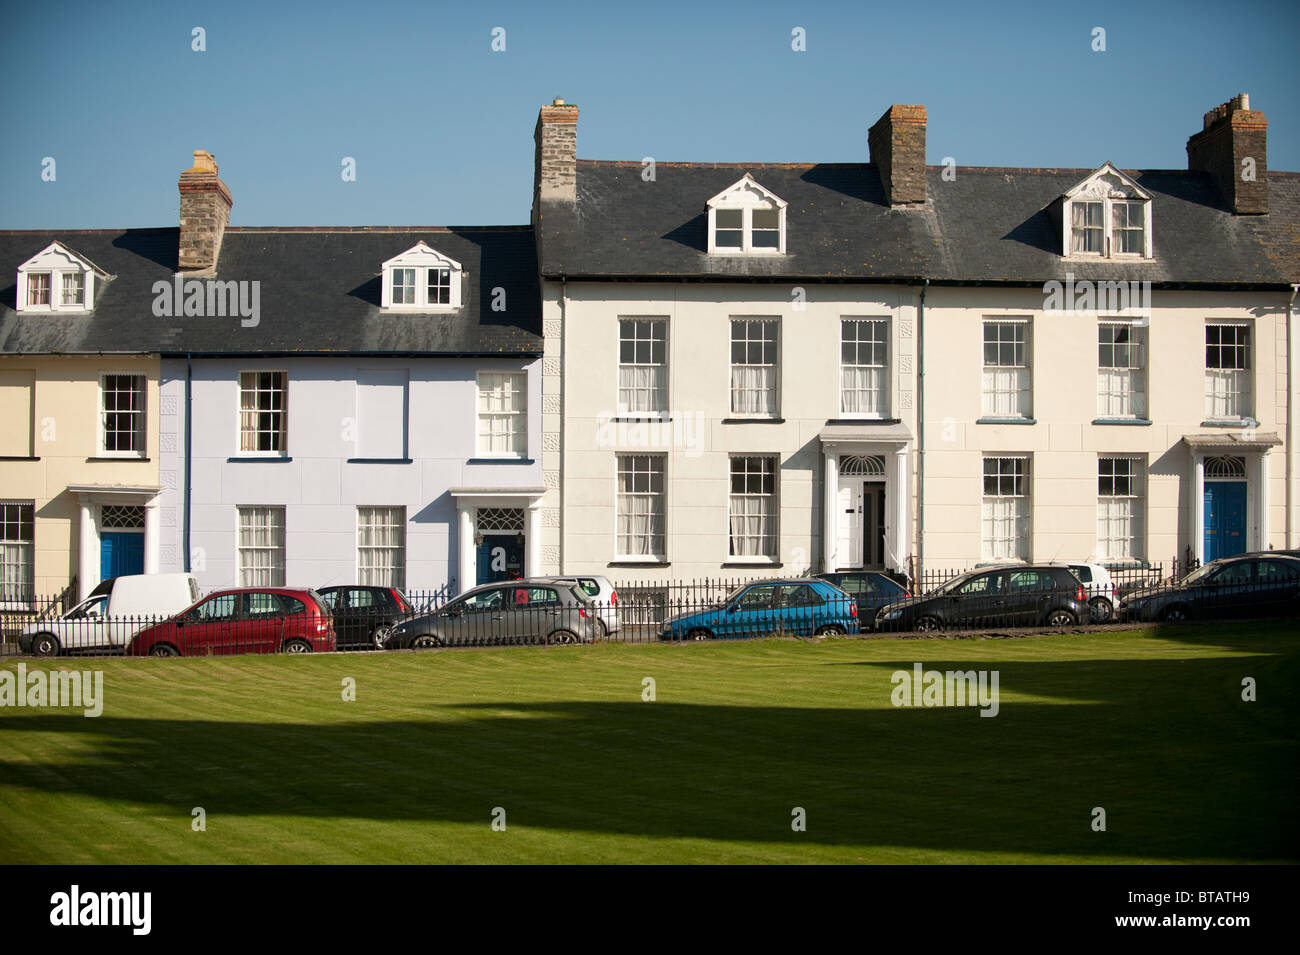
(884, 365)
(270, 406)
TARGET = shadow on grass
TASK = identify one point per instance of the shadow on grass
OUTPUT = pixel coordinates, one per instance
(1183, 767)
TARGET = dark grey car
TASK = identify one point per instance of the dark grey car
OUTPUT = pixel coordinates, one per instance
(535, 610)
(1231, 587)
(1024, 596)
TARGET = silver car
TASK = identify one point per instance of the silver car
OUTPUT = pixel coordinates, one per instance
(535, 610)
(602, 594)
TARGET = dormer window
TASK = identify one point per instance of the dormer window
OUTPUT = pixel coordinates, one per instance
(745, 218)
(1107, 215)
(421, 279)
(58, 280)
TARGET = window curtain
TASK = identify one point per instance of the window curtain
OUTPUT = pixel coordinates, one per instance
(863, 389)
(248, 413)
(753, 389)
(751, 526)
(642, 387)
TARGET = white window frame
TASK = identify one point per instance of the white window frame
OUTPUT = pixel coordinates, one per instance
(392, 574)
(773, 391)
(658, 465)
(57, 261)
(746, 196)
(1128, 507)
(422, 260)
(885, 370)
(772, 539)
(283, 452)
(142, 421)
(1243, 377)
(519, 415)
(241, 569)
(624, 408)
(991, 375)
(18, 595)
(1132, 391)
(999, 507)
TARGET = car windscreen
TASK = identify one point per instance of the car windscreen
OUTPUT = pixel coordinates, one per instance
(1200, 573)
(952, 584)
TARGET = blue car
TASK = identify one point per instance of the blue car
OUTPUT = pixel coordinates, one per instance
(799, 607)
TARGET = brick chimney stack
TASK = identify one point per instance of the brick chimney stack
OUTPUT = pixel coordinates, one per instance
(897, 144)
(555, 176)
(205, 212)
(1233, 147)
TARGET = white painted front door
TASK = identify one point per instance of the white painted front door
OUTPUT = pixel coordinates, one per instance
(849, 552)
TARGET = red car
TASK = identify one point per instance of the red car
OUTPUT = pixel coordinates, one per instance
(248, 620)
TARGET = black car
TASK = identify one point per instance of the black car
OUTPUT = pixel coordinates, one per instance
(365, 615)
(1232, 587)
(869, 589)
(1029, 596)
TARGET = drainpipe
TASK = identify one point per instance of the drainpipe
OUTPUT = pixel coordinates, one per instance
(189, 430)
(920, 434)
(1291, 412)
(564, 377)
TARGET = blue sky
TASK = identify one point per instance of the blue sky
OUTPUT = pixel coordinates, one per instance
(441, 126)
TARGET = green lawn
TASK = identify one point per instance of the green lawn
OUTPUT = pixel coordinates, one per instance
(1148, 725)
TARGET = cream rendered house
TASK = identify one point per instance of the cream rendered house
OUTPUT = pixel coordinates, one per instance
(762, 369)
(79, 412)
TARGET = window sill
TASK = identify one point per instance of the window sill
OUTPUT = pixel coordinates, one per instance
(1129, 421)
(850, 419)
(18, 457)
(1006, 421)
(1231, 423)
(265, 459)
(755, 420)
(115, 457)
(500, 461)
(639, 562)
(379, 461)
(755, 562)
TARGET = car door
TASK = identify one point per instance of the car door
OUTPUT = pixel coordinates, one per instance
(482, 617)
(798, 606)
(364, 614)
(260, 628)
(534, 612)
(751, 614)
(978, 601)
(1228, 592)
(1277, 585)
(1029, 595)
(209, 627)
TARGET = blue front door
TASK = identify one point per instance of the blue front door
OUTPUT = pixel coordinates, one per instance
(1225, 519)
(500, 557)
(120, 552)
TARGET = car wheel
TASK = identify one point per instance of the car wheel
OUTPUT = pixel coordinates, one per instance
(699, 634)
(380, 635)
(1175, 614)
(425, 641)
(928, 625)
(297, 646)
(831, 630)
(562, 637)
(45, 645)
(163, 650)
(1102, 610)
(1061, 618)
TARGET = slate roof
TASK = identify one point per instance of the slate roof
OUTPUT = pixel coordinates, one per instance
(986, 226)
(320, 294)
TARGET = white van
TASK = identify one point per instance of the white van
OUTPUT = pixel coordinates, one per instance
(115, 611)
